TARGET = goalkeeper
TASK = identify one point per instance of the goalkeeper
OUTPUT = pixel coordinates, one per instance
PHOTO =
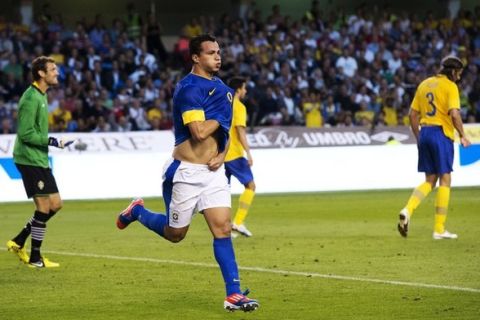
(30, 155)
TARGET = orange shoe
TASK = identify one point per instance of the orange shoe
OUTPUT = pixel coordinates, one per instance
(126, 217)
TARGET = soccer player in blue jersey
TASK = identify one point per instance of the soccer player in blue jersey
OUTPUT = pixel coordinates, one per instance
(235, 162)
(194, 178)
(434, 114)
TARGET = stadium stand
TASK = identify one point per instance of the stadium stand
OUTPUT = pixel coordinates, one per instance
(355, 69)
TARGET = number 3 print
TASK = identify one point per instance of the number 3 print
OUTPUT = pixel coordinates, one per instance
(430, 102)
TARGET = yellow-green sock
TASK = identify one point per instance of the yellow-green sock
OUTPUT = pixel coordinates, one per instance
(244, 203)
(441, 208)
(418, 194)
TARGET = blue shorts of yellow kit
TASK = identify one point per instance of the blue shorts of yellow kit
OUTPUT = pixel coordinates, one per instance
(240, 169)
(435, 151)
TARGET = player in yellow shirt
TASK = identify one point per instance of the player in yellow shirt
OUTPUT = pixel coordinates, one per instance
(235, 162)
(434, 115)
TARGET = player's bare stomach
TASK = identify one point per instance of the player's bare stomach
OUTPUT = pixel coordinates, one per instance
(200, 152)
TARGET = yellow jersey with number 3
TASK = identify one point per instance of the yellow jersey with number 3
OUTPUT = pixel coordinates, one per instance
(434, 98)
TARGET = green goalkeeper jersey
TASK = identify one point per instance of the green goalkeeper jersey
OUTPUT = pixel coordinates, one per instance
(31, 144)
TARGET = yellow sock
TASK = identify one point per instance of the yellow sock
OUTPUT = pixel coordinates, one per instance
(441, 208)
(244, 203)
(418, 194)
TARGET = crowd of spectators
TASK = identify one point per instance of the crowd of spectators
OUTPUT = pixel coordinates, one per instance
(356, 68)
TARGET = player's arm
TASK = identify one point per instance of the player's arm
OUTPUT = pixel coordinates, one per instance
(190, 98)
(458, 124)
(26, 124)
(454, 113)
(201, 130)
(242, 137)
(414, 116)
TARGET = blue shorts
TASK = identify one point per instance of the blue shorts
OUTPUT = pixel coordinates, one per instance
(435, 151)
(240, 169)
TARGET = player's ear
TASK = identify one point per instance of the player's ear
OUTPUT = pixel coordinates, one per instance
(42, 73)
(195, 58)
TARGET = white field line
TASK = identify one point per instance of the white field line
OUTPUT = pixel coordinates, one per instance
(266, 270)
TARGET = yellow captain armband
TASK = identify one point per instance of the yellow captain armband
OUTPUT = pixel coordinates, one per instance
(193, 115)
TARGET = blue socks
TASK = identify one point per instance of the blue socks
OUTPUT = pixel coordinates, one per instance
(222, 247)
(153, 221)
(223, 250)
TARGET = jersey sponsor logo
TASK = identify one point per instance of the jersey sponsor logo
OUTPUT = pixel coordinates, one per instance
(212, 91)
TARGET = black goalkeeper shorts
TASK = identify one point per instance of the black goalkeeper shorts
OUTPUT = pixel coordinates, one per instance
(38, 181)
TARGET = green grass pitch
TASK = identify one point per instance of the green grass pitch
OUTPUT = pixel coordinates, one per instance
(312, 256)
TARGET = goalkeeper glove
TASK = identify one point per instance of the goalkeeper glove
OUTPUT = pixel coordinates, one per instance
(59, 143)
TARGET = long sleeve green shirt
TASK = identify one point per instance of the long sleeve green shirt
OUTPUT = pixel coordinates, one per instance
(31, 144)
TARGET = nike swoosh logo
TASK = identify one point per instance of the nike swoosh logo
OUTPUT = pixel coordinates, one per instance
(211, 92)
(38, 264)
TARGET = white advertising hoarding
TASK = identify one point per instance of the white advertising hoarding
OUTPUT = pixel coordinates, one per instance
(123, 165)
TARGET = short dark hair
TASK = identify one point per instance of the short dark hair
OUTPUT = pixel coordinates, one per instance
(195, 45)
(40, 63)
(236, 82)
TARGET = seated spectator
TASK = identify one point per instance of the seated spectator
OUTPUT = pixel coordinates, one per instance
(390, 112)
(192, 28)
(57, 56)
(269, 113)
(7, 127)
(347, 63)
(13, 68)
(312, 109)
(102, 125)
(59, 119)
(345, 119)
(364, 116)
(291, 113)
(362, 96)
(155, 112)
(330, 109)
(123, 124)
(138, 116)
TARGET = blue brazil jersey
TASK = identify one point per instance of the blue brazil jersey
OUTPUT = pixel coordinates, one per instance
(199, 99)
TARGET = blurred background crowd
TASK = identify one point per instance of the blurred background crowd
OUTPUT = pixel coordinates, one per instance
(337, 68)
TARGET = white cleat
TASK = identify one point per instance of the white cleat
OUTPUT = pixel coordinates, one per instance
(404, 219)
(444, 235)
(242, 230)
